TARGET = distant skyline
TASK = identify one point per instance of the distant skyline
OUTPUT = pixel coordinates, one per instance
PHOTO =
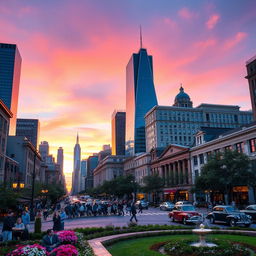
(74, 55)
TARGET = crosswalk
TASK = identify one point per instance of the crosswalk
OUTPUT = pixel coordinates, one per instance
(149, 214)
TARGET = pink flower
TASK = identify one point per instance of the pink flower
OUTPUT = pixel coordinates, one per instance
(67, 236)
(65, 250)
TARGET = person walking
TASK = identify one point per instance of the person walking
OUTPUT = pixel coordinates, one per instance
(133, 212)
(140, 208)
(56, 221)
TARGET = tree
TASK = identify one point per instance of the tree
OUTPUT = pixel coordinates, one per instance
(224, 171)
(8, 198)
(153, 183)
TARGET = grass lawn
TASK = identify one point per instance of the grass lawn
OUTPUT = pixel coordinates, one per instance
(140, 246)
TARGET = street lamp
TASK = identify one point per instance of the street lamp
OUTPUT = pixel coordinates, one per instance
(32, 216)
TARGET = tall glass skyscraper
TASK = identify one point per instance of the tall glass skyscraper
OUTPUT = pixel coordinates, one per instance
(140, 98)
(10, 65)
(77, 168)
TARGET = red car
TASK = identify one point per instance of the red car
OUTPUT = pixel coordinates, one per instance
(185, 214)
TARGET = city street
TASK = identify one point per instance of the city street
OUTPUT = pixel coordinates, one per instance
(150, 216)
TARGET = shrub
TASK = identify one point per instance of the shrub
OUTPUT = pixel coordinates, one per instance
(38, 225)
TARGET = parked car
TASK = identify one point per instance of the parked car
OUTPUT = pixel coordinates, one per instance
(166, 206)
(251, 210)
(185, 214)
(144, 204)
(229, 215)
(182, 202)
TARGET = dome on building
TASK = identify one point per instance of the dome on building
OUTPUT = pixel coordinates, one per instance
(182, 99)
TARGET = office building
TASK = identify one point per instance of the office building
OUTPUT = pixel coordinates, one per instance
(242, 139)
(177, 124)
(251, 76)
(28, 128)
(83, 174)
(44, 150)
(5, 115)
(92, 163)
(60, 158)
(77, 166)
(108, 169)
(10, 67)
(140, 98)
(118, 133)
(23, 151)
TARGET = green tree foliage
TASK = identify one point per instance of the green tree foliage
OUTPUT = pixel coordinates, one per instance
(153, 183)
(120, 186)
(8, 197)
(224, 171)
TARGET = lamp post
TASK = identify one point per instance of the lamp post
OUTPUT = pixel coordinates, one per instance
(32, 216)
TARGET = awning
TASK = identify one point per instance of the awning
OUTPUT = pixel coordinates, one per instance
(167, 191)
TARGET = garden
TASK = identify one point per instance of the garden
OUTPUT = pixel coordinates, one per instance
(174, 243)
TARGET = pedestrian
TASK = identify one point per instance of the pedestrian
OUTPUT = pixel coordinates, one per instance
(63, 216)
(25, 219)
(8, 224)
(56, 221)
(134, 212)
(140, 208)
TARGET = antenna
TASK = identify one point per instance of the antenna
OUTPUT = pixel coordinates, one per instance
(140, 37)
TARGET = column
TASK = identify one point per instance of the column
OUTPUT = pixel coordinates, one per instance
(179, 172)
(176, 173)
(171, 174)
(163, 174)
(167, 174)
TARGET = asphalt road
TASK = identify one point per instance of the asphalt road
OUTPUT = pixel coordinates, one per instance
(150, 216)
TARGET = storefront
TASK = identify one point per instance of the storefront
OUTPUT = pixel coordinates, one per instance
(240, 195)
(174, 195)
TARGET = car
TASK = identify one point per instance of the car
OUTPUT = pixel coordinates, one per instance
(186, 214)
(144, 204)
(166, 206)
(183, 202)
(229, 215)
(250, 210)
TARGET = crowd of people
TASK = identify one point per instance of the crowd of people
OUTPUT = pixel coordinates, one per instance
(16, 226)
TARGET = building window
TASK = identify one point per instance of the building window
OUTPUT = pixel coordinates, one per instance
(196, 174)
(252, 145)
(201, 158)
(240, 147)
(195, 160)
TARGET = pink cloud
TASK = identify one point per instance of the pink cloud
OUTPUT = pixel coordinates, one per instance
(187, 14)
(232, 42)
(212, 21)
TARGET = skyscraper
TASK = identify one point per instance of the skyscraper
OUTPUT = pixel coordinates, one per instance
(28, 128)
(140, 98)
(118, 133)
(251, 76)
(60, 158)
(10, 66)
(44, 150)
(83, 174)
(77, 167)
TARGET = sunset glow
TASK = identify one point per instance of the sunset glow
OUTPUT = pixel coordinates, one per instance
(74, 55)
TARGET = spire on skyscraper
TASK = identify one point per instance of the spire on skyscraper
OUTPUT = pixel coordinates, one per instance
(77, 139)
(140, 37)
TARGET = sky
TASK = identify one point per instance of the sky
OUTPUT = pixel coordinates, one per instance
(74, 56)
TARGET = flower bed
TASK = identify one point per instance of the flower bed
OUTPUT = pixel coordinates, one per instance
(67, 237)
(177, 248)
(72, 244)
(29, 250)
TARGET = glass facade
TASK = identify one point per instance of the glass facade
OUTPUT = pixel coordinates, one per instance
(118, 133)
(140, 98)
(10, 66)
(28, 128)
